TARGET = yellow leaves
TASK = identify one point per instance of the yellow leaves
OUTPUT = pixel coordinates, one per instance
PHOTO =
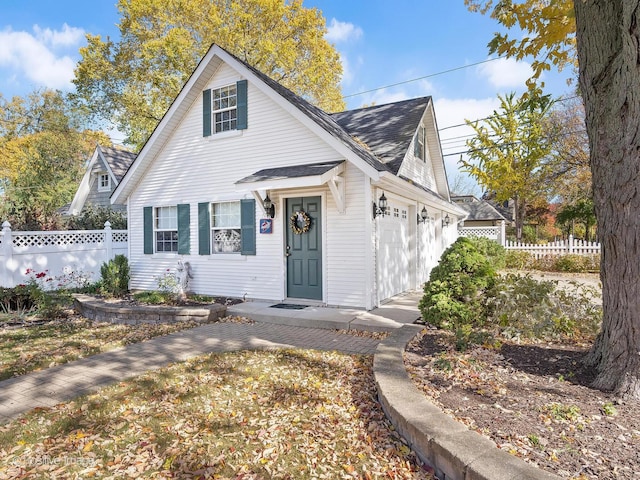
(549, 32)
(328, 425)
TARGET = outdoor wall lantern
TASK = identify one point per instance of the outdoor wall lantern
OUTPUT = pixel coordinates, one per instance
(424, 216)
(446, 220)
(269, 207)
(381, 208)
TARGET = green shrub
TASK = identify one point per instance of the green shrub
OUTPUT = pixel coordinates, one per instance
(519, 260)
(574, 263)
(94, 218)
(455, 296)
(491, 249)
(522, 307)
(16, 299)
(115, 276)
(153, 297)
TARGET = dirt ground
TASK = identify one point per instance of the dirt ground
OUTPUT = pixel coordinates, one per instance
(533, 401)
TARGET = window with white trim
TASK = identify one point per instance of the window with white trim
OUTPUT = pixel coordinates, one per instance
(224, 108)
(165, 228)
(226, 227)
(104, 182)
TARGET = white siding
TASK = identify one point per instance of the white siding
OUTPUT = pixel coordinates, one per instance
(347, 244)
(418, 170)
(192, 169)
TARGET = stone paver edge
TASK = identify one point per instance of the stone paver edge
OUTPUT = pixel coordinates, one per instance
(455, 452)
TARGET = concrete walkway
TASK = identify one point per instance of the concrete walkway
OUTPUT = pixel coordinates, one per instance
(309, 328)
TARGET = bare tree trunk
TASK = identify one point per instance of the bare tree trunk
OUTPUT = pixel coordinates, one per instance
(519, 217)
(608, 38)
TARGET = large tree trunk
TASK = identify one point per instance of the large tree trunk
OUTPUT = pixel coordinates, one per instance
(608, 37)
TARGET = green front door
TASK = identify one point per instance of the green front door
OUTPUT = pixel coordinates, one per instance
(304, 250)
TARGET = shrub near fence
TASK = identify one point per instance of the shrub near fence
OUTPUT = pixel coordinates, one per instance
(58, 253)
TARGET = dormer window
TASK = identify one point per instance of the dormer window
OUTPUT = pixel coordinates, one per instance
(104, 182)
(224, 109)
(419, 147)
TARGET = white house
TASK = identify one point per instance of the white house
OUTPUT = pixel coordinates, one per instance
(103, 174)
(234, 138)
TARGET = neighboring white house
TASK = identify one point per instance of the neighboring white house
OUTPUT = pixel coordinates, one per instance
(233, 138)
(103, 174)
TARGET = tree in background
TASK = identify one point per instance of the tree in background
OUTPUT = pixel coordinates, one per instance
(94, 217)
(132, 83)
(580, 212)
(509, 151)
(569, 170)
(42, 154)
(608, 47)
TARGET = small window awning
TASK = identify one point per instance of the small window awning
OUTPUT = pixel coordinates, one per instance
(297, 176)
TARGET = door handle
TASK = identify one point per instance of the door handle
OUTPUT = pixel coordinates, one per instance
(287, 253)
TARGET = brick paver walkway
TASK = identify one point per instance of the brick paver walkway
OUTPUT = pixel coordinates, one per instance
(50, 386)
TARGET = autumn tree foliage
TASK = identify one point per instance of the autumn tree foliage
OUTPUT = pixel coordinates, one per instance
(607, 37)
(508, 153)
(43, 149)
(132, 82)
(569, 171)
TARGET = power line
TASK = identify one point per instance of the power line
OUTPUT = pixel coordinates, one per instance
(422, 78)
(499, 145)
(561, 99)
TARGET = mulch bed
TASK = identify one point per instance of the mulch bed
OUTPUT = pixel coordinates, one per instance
(533, 401)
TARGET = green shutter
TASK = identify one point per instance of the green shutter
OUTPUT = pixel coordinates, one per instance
(184, 234)
(204, 229)
(248, 224)
(241, 92)
(206, 113)
(148, 229)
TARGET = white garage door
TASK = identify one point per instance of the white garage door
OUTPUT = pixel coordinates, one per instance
(394, 253)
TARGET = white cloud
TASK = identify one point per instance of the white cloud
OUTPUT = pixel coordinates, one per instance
(341, 32)
(451, 115)
(39, 57)
(506, 73)
(67, 37)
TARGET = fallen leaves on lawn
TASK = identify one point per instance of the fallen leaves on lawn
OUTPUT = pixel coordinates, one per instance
(289, 414)
(34, 347)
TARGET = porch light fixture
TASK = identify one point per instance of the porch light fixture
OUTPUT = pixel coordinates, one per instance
(381, 208)
(269, 207)
(424, 216)
(446, 220)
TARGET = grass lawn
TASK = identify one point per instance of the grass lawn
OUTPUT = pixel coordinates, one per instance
(288, 414)
(30, 348)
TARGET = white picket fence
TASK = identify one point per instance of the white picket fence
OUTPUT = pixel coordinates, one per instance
(58, 253)
(560, 247)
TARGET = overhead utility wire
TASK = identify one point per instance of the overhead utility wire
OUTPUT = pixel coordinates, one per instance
(500, 145)
(561, 99)
(422, 78)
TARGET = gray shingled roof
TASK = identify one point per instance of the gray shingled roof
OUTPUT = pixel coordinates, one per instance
(119, 160)
(294, 171)
(386, 129)
(479, 210)
(361, 130)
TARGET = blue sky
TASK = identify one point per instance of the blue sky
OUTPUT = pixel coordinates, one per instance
(381, 43)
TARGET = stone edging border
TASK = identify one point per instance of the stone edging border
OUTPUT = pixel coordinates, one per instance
(454, 451)
(103, 311)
